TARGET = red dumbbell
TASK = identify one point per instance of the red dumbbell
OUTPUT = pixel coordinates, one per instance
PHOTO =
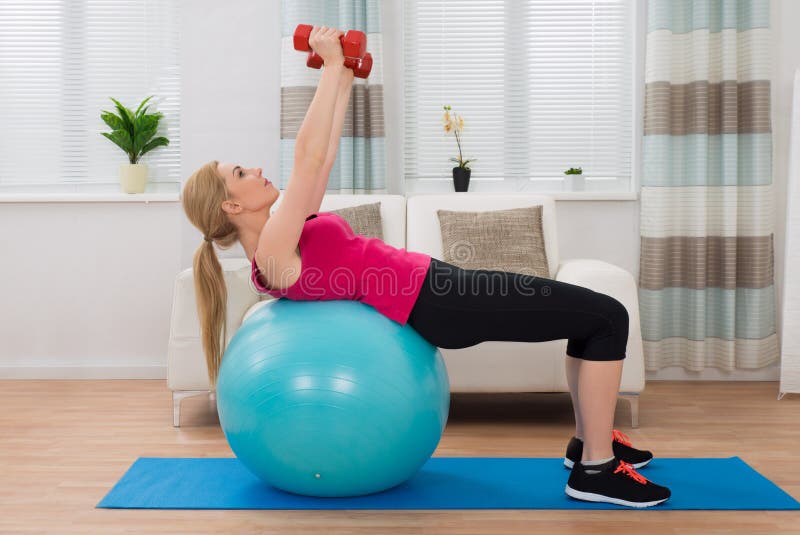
(364, 66)
(361, 67)
(354, 42)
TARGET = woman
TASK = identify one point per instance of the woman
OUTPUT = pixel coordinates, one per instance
(449, 306)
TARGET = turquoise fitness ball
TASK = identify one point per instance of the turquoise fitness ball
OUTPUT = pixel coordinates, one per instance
(331, 398)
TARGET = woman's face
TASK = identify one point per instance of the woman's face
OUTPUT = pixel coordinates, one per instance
(247, 188)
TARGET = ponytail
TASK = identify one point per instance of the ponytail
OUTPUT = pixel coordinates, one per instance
(212, 297)
(203, 194)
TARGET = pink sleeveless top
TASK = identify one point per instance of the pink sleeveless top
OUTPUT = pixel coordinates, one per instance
(338, 264)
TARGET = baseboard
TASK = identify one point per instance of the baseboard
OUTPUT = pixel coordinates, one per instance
(83, 372)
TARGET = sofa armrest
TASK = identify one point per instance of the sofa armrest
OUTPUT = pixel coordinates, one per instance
(620, 284)
(596, 275)
(186, 363)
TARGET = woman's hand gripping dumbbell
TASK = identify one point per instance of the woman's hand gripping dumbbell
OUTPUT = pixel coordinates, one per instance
(353, 46)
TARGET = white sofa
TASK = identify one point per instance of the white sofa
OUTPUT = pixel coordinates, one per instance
(412, 223)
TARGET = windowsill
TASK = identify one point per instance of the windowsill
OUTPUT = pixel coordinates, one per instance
(556, 195)
(594, 190)
(170, 192)
(89, 192)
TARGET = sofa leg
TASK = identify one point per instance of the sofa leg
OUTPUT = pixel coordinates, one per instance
(633, 399)
(177, 397)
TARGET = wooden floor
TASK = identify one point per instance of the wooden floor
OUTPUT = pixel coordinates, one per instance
(63, 445)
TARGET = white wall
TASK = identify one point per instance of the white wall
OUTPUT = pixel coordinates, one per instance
(87, 287)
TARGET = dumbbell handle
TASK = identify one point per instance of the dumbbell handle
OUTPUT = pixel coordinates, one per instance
(354, 42)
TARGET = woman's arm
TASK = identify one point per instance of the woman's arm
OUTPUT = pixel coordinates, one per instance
(342, 102)
(281, 232)
(312, 137)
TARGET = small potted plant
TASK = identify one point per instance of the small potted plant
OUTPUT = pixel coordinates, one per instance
(134, 133)
(461, 172)
(575, 180)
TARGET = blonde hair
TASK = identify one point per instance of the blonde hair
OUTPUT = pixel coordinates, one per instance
(202, 198)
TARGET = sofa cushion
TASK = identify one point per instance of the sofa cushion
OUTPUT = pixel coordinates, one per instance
(364, 219)
(505, 240)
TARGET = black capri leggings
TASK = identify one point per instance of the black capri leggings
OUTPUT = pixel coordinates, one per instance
(459, 308)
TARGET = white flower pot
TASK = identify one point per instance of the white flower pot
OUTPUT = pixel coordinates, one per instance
(576, 182)
(133, 177)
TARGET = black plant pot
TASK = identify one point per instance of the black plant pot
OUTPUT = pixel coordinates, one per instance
(461, 178)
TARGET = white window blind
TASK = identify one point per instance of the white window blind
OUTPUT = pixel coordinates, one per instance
(60, 61)
(542, 85)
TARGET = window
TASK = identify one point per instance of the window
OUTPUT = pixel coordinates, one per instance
(60, 61)
(543, 85)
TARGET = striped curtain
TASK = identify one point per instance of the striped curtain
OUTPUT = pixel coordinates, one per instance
(706, 284)
(361, 159)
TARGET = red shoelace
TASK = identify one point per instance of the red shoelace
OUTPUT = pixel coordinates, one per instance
(628, 470)
(620, 437)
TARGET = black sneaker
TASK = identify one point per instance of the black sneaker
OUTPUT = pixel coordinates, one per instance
(621, 448)
(617, 483)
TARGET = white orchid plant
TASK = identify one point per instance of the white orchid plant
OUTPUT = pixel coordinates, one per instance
(455, 123)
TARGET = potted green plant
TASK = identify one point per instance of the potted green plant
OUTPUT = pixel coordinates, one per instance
(575, 179)
(461, 172)
(134, 133)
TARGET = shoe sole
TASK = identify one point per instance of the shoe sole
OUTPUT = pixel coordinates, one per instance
(569, 464)
(591, 497)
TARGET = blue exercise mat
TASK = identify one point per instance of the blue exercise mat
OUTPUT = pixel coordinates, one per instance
(443, 483)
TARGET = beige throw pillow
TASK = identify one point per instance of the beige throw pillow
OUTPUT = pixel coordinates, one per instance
(503, 240)
(364, 219)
